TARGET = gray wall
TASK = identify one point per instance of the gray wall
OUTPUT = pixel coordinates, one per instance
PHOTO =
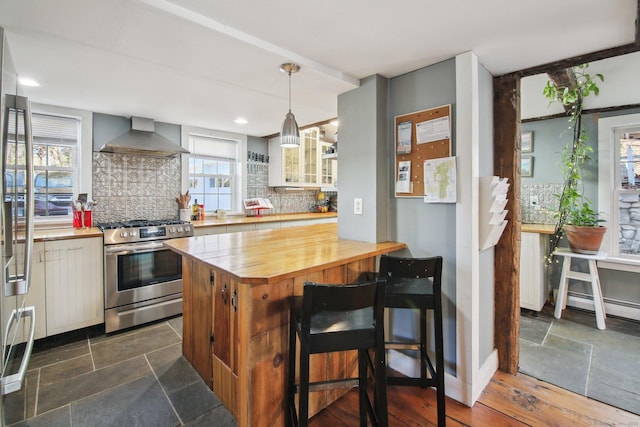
(107, 127)
(428, 229)
(366, 169)
(362, 168)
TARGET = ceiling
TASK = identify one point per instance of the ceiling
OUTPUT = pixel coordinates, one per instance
(205, 63)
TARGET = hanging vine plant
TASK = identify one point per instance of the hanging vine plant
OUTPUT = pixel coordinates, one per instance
(574, 208)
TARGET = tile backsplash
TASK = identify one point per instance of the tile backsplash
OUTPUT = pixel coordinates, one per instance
(127, 187)
(542, 213)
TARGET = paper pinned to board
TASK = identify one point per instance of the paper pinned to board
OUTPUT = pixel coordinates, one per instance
(404, 137)
(403, 182)
(433, 130)
(440, 180)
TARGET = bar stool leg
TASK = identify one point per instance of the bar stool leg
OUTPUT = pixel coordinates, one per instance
(363, 359)
(303, 395)
(423, 348)
(598, 304)
(439, 344)
(561, 302)
(291, 419)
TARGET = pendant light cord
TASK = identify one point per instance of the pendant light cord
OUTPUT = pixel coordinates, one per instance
(289, 90)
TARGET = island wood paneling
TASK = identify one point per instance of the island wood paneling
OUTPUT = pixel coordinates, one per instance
(264, 267)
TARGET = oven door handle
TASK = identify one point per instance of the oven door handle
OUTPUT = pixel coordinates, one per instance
(134, 249)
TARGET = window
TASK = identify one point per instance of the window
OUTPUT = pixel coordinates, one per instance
(211, 181)
(215, 176)
(619, 185)
(55, 157)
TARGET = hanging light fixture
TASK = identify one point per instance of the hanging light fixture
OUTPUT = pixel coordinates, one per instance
(290, 134)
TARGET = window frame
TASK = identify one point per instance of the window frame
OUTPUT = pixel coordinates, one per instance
(83, 164)
(608, 152)
(239, 189)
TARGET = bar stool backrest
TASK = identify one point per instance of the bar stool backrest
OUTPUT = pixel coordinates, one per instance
(317, 298)
(417, 268)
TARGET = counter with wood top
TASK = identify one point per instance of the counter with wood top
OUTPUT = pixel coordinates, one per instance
(235, 312)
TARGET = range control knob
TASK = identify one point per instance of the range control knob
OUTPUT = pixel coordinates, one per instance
(124, 234)
(172, 230)
(179, 229)
(133, 233)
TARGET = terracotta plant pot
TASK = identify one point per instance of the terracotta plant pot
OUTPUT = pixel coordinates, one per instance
(584, 240)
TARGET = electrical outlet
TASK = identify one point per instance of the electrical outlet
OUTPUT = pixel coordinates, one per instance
(357, 206)
(533, 203)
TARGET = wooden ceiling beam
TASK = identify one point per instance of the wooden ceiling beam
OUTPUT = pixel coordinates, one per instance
(563, 78)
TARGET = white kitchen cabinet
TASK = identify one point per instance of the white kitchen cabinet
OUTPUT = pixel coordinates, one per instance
(206, 231)
(533, 288)
(302, 166)
(74, 284)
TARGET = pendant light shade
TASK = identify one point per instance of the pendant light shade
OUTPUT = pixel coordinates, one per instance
(289, 134)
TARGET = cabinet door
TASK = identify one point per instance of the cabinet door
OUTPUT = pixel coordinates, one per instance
(225, 320)
(310, 152)
(532, 284)
(197, 294)
(329, 174)
(299, 166)
(74, 280)
(225, 343)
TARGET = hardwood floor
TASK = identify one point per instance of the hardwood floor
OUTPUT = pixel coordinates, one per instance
(508, 400)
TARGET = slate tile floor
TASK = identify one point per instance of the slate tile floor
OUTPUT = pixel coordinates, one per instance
(573, 354)
(134, 378)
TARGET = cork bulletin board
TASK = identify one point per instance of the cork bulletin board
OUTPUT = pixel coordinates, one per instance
(419, 136)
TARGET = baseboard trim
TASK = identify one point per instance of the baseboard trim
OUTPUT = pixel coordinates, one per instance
(609, 307)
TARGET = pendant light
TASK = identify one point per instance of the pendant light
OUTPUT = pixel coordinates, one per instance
(290, 134)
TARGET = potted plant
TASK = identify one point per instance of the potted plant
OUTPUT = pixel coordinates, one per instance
(575, 216)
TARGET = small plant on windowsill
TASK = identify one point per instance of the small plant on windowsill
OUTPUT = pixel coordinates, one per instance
(575, 212)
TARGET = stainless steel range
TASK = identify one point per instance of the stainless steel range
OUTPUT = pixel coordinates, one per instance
(143, 279)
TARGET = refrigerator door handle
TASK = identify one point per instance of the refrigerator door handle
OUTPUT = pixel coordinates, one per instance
(14, 382)
(23, 104)
(8, 218)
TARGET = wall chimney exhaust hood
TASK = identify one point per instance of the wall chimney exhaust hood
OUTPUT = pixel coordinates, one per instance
(143, 139)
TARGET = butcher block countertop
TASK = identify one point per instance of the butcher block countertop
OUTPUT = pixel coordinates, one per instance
(63, 233)
(268, 256)
(538, 228)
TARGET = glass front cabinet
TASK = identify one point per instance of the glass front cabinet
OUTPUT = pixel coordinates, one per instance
(303, 166)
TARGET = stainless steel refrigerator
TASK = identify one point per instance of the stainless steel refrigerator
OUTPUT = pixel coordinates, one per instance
(16, 221)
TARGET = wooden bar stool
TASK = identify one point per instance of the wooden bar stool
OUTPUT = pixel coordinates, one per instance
(591, 277)
(416, 283)
(328, 318)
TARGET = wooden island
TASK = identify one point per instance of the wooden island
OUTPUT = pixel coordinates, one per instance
(236, 315)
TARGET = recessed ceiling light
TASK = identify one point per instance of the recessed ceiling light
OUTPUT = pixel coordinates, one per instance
(26, 81)
(241, 121)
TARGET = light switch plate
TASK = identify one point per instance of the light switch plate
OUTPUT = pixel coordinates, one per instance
(533, 203)
(357, 206)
